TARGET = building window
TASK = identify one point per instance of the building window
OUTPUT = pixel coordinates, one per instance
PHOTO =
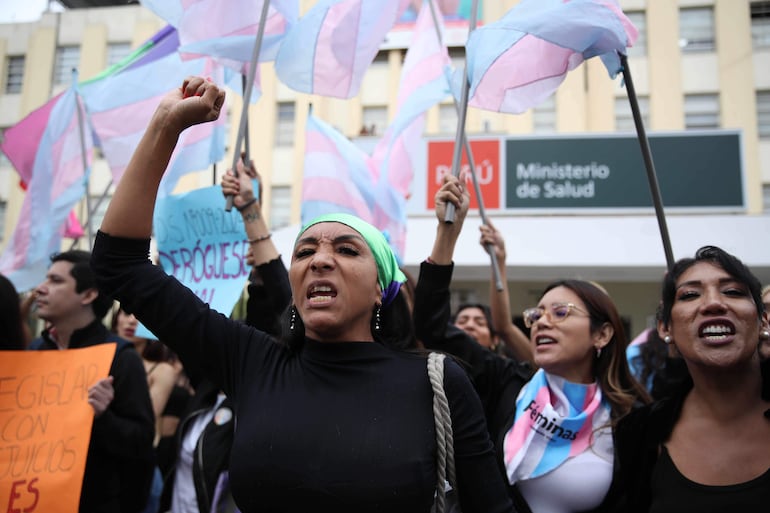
(374, 121)
(67, 59)
(280, 206)
(14, 75)
(760, 24)
(544, 116)
(763, 114)
(696, 29)
(701, 111)
(116, 52)
(624, 119)
(284, 131)
(447, 118)
(457, 57)
(100, 203)
(639, 20)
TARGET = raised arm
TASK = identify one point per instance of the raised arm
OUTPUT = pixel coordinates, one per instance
(499, 304)
(131, 208)
(269, 292)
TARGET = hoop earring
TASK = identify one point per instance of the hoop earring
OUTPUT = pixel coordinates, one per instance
(667, 339)
(293, 318)
(377, 319)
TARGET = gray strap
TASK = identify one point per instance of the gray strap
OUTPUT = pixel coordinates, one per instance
(445, 457)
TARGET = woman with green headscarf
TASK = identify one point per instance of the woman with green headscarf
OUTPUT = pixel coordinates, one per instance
(339, 417)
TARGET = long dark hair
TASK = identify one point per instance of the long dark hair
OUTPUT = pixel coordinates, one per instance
(396, 331)
(11, 329)
(610, 369)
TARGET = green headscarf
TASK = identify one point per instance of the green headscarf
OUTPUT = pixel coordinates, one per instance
(387, 265)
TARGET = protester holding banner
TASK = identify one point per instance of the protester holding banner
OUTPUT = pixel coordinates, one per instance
(339, 419)
(704, 447)
(120, 459)
(553, 430)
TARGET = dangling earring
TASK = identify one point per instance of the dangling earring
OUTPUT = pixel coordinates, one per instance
(667, 339)
(598, 352)
(377, 318)
(293, 318)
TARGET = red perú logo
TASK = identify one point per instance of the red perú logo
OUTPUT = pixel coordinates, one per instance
(486, 157)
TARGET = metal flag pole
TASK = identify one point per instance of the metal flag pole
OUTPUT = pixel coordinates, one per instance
(252, 71)
(472, 164)
(86, 170)
(649, 165)
(92, 210)
(462, 112)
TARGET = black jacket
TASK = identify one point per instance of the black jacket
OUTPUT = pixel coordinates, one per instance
(267, 300)
(639, 435)
(120, 459)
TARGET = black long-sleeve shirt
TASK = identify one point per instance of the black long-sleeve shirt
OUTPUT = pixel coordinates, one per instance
(333, 427)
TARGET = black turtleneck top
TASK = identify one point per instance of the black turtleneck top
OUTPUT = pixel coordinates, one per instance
(332, 427)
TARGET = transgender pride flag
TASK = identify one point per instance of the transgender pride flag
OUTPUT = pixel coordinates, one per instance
(329, 49)
(518, 61)
(336, 174)
(47, 150)
(423, 84)
(226, 30)
(122, 102)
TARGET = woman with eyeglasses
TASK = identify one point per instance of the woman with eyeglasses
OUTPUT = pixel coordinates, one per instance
(553, 431)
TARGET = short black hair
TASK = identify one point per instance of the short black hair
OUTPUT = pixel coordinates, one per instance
(84, 278)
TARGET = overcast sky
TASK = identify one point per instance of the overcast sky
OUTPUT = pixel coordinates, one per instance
(24, 10)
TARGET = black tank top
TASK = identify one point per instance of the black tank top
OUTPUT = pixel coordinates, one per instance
(674, 493)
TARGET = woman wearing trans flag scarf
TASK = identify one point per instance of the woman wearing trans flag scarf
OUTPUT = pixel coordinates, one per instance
(339, 415)
(553, 431)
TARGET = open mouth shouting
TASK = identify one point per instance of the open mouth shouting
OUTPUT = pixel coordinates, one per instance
(321, 293)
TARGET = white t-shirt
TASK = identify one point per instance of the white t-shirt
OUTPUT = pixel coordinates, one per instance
(578, 484)
(183, 499)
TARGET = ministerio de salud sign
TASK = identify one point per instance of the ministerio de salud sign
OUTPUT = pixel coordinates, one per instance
(696, 171)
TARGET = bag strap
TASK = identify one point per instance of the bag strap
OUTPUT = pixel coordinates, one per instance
(445, 459)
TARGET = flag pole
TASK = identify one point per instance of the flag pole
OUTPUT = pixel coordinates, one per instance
(86, 173)
(649, 165)
(463, 110)
(252, 71)
(246, 139)
(91, 211)
(471, 164)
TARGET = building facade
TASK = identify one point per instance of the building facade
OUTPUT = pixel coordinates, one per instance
(698, 66)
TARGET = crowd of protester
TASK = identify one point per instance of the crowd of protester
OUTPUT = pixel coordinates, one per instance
(323, 398)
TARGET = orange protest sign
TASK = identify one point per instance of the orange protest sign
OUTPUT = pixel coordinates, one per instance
(45, 425)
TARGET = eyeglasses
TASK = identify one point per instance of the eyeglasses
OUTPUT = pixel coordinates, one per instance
(556, 312)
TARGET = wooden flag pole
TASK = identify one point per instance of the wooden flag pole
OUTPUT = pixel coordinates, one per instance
(471, 164)
(649, 165)
(252, 71)
(461, 115)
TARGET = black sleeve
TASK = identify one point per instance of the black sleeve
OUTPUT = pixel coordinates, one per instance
(480, 485)
(497, 380)
(209, 343)
(126, 428)
(268, 300)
